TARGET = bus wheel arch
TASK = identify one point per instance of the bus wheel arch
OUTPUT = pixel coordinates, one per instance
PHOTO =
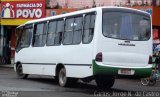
(58, 67)
(19, 71)
(17, 63)
(62, 78)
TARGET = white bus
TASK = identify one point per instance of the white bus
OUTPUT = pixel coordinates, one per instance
(99, 43)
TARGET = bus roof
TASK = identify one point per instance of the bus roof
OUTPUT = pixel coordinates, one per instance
(78, 12)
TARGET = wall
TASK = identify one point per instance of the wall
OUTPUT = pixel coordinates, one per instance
(156, 16)
(52, 12)
(79, 3)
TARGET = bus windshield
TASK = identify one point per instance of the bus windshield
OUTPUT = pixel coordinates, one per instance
(126, 25)
(24, 35)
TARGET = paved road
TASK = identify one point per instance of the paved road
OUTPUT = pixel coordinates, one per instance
(45, 86)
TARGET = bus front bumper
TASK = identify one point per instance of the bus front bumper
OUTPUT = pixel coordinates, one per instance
(138, 72)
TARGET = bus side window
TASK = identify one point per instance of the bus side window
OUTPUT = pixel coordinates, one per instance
(77, 35)
(39, 36)
(68, 33)
(28, 35)
(55, 30)
(89, 23)
(59, 31)
(73, 30)
(51, 33)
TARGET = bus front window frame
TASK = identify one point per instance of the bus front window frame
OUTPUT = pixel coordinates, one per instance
(27, 37)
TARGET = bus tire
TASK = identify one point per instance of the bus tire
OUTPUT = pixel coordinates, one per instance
(105, 82)
(152, 82)
(63, 80)
(145, 81)
(19, 71)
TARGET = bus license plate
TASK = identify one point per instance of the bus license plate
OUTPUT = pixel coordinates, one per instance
(125, 72)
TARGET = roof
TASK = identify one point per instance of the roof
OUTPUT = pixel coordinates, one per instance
(80, 12)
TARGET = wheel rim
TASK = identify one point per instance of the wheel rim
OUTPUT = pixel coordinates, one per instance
(62, 77)
(145, 81)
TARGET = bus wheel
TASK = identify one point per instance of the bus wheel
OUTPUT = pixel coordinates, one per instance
(20, 72)
(105, 82)
(62, 79)
(65, 81)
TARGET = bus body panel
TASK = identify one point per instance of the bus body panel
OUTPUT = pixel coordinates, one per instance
(71, 70)
(39, 69)
(120, 54)
(43, 60)
(131, 56)
(79, 71)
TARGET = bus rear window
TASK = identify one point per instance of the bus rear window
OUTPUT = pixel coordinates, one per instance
(126, 26)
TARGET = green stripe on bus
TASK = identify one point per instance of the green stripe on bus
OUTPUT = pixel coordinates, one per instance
(113, 71)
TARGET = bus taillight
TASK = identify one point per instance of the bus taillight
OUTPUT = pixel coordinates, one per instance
(99, 57)
(150, 60)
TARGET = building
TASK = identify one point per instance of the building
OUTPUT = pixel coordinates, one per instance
(16, 12)
(156, 22)
(132, 2)
(90, 3)
(80, 4)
